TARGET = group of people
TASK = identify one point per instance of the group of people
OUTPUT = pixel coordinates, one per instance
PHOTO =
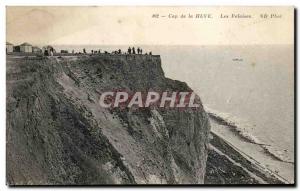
(96, 51)
(129, 51)
(132, 50)
(139, 51)
(117, 52)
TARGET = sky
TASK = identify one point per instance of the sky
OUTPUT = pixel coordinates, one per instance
(96, 25)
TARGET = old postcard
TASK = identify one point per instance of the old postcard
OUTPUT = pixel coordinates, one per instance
(150, 95)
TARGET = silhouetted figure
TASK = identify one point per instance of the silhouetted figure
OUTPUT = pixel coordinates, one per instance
(129, 50)
(133, 50)
(138, 50)
(150, 53)
(92, 52)
(51, 51)
(84, 52)
(141, 51)
(119, 51)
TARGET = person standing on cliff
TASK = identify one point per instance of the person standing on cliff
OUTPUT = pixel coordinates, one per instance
(133, 50)
(141, 51)
(84, 52)
(138, 50)
(51, 51)
(129, 50)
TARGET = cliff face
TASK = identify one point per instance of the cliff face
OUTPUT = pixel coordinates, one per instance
(57, 133)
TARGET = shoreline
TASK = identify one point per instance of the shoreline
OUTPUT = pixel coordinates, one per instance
(226, 165)
(257, 166)
(244, 135)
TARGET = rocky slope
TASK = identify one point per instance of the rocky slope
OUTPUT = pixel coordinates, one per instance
(58, 134)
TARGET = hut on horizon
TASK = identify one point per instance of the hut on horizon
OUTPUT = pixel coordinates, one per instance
(36, 49)
(17, 48)
(9, 47)
(25, 47)
(64, 51)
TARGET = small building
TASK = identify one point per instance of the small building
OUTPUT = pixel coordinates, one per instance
(25, 47)
(16, 48)
(64, 51)
(36, 49)
(9, 47)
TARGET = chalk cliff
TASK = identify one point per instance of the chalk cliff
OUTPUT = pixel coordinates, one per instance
(58, 134)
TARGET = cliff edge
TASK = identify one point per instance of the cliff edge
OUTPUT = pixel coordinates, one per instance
(58, 134)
